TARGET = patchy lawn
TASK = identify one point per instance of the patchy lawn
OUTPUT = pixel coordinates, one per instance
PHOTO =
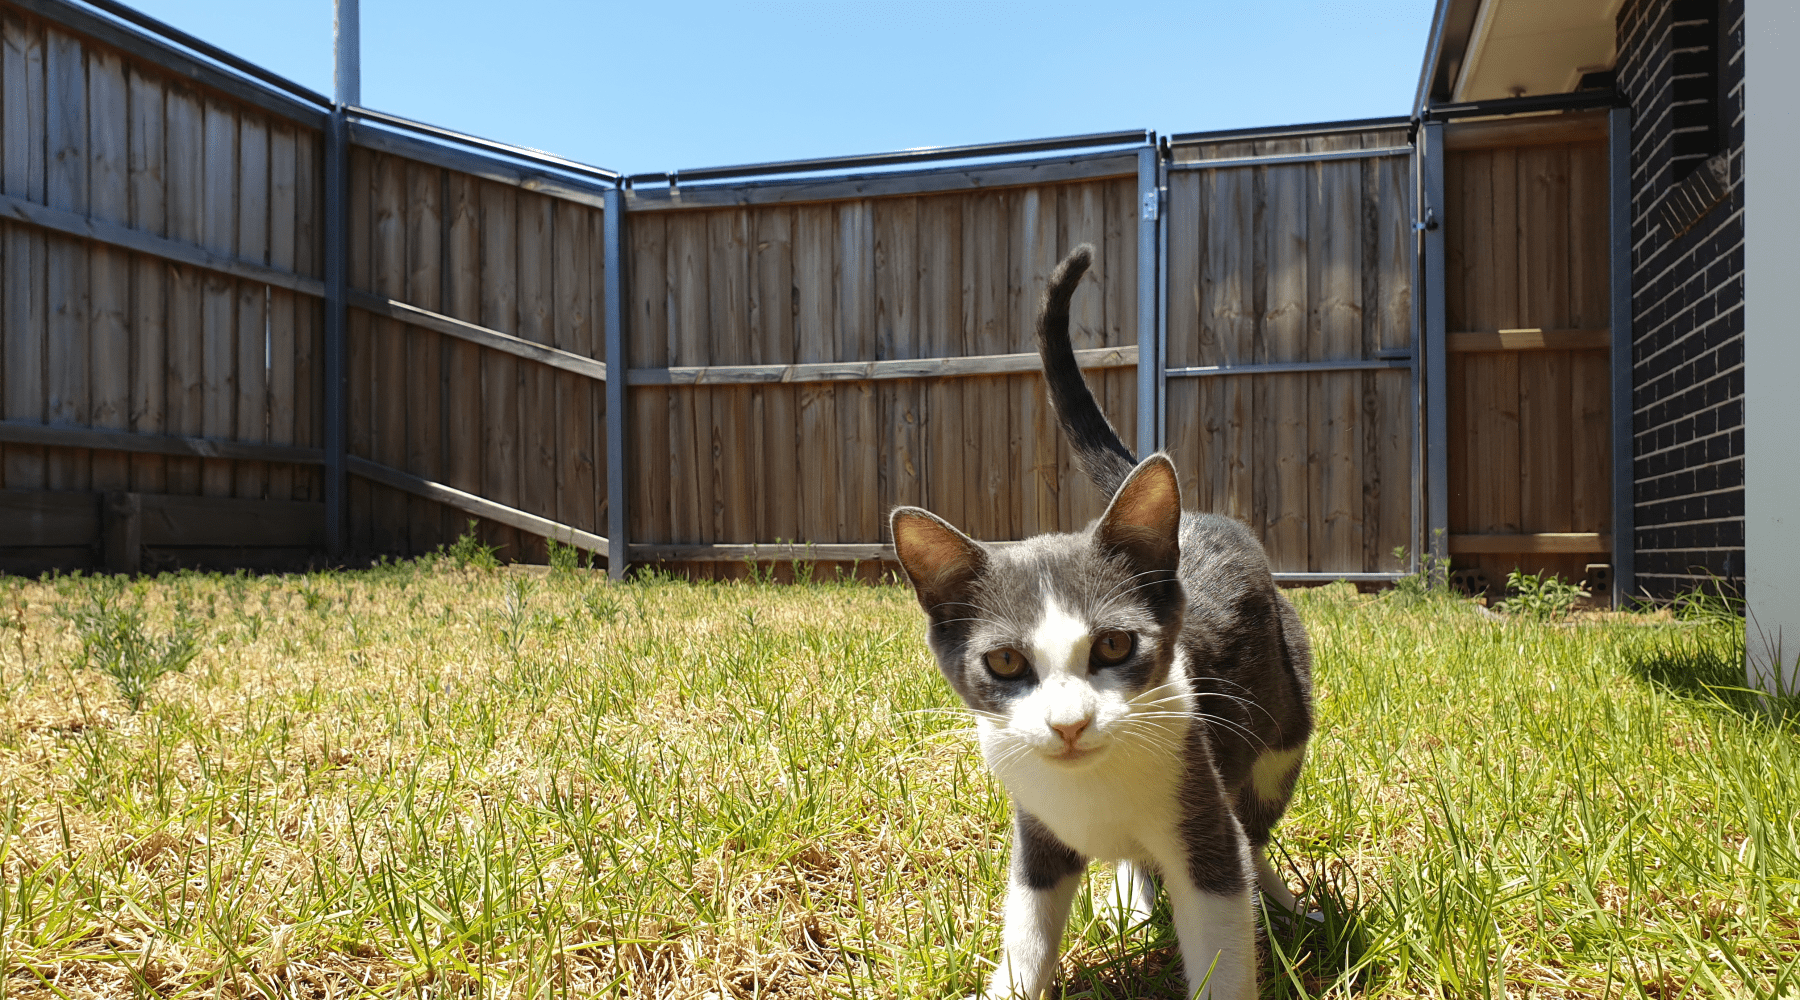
(421, 780)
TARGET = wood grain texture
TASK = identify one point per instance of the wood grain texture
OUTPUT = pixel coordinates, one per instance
(579, 441)
(499, 286)
(185, 392)
(427, 523)
(251, 480)
(537, 418)
(218, 294)
(284, 335)
(109, 270)
(149, 278)
(465, 409)
(772, 334)
(66, 361)
(648, 346)
(22, 91)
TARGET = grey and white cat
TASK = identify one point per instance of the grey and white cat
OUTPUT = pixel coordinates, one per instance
(1141, 688)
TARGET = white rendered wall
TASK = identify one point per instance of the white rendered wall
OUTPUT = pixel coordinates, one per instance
(1772, 340)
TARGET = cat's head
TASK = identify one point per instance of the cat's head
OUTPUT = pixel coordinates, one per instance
(1057, 642)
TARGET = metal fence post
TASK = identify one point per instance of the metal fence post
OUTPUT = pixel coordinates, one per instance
(1624, 487)
(617, 552)
(1149, 405)
(1437, 398)
(337, 169)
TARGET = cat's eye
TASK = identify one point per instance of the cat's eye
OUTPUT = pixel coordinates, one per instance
(1006, 663)
(1111, 647)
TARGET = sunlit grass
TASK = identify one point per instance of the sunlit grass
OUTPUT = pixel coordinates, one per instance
(425, 781)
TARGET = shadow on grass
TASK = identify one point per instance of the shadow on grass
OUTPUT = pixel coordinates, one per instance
(1707, 667)
(1299, 956)
(1325, 949)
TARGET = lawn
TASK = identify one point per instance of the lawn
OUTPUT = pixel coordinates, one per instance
(431, 780)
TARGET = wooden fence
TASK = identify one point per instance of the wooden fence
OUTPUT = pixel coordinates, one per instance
(697, 375)
(860, 297)
(1291, 403)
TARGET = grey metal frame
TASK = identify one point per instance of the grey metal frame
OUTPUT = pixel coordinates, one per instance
(613, 223)
(1278, 160)
(1162, 298)
(1283, 367)
(1624, 486)
(1437, 400)
(1149, 379)
(828, 164)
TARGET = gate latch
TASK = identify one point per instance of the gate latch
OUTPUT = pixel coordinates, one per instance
(1151, 198)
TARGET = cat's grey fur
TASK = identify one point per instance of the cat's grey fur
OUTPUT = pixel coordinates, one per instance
(1213, 638)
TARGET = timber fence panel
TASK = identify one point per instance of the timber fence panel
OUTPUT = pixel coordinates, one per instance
(476, 358)
(1297, 273)
(159, 222)
(1528, 378)
(796, 370)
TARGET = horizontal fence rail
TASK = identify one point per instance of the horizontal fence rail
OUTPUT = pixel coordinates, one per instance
(867, 371)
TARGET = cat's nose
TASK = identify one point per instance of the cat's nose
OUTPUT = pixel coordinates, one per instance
(1071, 731)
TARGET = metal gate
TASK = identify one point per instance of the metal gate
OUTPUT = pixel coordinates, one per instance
(1287, 384)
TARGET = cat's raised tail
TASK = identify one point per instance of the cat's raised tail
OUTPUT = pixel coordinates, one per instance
(1102, 455)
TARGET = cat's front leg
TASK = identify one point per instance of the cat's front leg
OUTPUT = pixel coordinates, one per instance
(1210, 889)
(1218, 939)
(1040, 889)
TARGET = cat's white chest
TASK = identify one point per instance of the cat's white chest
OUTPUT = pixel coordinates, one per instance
(1123, 807)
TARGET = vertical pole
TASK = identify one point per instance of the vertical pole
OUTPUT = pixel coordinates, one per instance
(346, 32)
(617, 552)
(347, 78)
(1162, 303)
(1417, 537)
(1624, 489)
(337, 168)
(1149, 209)
(1437, 398)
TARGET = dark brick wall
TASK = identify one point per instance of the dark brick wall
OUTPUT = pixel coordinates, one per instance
(1687, 305)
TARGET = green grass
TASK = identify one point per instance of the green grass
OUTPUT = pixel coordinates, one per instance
(431, 781)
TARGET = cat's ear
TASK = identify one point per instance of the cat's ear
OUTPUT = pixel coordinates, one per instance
(940, 561)
(1143, 522)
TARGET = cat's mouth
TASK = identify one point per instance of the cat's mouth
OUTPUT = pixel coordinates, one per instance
(1071, 755)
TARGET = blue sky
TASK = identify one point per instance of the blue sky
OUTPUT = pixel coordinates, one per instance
(648, 86)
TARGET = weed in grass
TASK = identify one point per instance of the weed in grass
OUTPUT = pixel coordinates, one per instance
(116, 640)
(1430, 583)
(469, 552)
(566, 560)
(1535, 595)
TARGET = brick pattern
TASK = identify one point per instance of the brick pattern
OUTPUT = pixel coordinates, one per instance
(1687, 314)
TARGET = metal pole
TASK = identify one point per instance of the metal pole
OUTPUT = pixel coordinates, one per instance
(337, 167)
(1416, 533)
(1624, 487)
(617, 552)
(1162, 303)
(346, 28)
(1437, 398)
(347, 78)
(1150, 209)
